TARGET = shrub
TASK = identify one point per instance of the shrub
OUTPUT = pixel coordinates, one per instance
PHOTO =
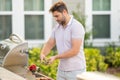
(112, 57)
(81, 17)
(48, 70)
(94, 60)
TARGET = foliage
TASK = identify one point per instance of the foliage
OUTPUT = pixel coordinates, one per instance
(112, 57)
(49, 70)
(94, 60)
(78, 15)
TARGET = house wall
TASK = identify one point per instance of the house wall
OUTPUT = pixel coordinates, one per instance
(119, 19)
(116, 20)
(85, 6)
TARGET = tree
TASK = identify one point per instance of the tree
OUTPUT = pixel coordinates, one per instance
(80, 16)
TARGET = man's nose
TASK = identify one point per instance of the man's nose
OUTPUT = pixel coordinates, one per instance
(56, 19)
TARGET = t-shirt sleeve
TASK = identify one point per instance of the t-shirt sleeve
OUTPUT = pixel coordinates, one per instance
(53, 31)
(78, 32)
(53, 34)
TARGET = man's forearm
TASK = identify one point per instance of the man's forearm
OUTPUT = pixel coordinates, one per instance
(67, 54)
(45, 50)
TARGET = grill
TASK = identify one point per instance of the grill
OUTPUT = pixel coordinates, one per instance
(14, 60)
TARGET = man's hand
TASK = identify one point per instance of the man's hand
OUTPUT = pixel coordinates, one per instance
(42, 57)
(46, 49)
(51, 59)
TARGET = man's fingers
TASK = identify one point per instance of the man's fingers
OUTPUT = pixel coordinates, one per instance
(41, 60)
(42, 57)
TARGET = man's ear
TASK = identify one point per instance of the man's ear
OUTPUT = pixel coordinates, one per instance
(64, 11)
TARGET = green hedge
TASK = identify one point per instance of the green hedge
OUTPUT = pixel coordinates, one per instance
(112, 57)
(94, 61)
(49, 70)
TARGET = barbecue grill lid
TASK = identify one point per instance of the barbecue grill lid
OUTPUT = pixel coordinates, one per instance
(16, 56)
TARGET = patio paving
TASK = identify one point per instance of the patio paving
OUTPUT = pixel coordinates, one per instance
(96, 76)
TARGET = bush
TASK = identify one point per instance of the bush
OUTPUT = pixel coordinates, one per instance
(81, 17)
(112, 57)
(48, 70)
(94, 60)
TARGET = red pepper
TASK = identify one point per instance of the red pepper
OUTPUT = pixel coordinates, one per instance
(32, 67)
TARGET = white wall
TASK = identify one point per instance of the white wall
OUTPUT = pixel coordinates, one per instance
(18, 17)
(115, 20)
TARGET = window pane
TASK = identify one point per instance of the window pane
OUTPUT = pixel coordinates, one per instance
(34, 27)
(101, 26)
(5, 27)
(5, 5)
(34, 5)
(96, 5)
(101, 5)
(106, 4)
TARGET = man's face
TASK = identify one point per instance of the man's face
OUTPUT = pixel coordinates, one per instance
(59, 17)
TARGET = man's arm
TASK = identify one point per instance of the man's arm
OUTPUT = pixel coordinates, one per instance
(76, 44)
(48, 46)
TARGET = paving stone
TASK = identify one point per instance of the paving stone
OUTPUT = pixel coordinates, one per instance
(96, 76)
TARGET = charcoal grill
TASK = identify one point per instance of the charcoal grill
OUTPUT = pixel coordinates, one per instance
(14, 58)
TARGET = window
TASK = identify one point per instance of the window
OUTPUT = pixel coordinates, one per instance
(5, 5)
(34, 23)
(101, 19)
(101, 26)
(101, 5)
(34, 5)
(5, 19)
(28, 18)
(34, 27)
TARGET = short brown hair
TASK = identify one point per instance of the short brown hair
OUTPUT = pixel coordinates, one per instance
(58, 6)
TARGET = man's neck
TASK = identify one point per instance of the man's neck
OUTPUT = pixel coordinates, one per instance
(67, 20)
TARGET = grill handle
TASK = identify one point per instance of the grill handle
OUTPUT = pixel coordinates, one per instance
(15, 38)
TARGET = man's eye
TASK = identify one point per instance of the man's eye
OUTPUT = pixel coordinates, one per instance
(56, 16)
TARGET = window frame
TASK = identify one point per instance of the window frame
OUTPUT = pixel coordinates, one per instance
(6, 13)
(113, 20)
(18, 15)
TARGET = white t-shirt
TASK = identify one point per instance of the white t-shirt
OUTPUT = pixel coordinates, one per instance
(63, 37)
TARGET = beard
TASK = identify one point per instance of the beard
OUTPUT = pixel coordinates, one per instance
(63, 21)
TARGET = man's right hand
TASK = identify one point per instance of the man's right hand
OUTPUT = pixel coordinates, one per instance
(42, 57)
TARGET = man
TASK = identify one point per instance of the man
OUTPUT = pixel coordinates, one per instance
(68, 36)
